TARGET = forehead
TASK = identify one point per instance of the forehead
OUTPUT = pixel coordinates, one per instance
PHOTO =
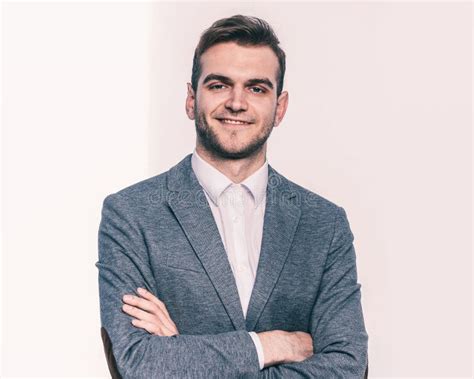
(240, 62)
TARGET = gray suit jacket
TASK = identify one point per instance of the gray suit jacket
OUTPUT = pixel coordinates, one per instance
(160, 234)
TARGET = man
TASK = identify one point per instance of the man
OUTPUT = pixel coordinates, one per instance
(221, 267)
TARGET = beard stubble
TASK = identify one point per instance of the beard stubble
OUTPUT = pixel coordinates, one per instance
(209, 139)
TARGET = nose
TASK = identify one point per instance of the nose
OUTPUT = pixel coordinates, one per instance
(236, 101)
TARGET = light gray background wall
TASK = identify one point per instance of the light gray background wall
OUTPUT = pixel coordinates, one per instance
(379, 121)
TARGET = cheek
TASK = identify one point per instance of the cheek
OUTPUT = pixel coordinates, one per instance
(208, 104)
(264, 107)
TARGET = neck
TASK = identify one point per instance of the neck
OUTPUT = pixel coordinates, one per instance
(236, 170)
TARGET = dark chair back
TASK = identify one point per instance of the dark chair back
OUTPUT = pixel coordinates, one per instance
(109, 355)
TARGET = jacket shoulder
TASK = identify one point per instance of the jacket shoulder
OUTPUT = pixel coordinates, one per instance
(153, 190)
(309, 199)
(318, 210)
(142, 194)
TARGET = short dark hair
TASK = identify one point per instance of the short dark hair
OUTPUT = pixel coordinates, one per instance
(245, 31)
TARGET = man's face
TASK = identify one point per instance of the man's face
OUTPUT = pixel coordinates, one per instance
(235, 107)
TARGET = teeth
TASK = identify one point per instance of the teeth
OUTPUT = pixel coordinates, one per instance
(234, 122)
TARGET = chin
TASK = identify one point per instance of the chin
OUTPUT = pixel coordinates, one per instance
(240, 152)
(234, 149)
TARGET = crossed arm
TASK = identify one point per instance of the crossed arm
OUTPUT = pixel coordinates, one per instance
(150, 314)
(150, 348)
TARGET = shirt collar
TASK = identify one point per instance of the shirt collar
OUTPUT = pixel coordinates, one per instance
(215, 182)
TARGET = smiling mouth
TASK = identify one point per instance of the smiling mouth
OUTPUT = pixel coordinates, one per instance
(233, 122)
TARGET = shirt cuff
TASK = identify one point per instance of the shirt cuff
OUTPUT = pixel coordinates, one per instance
(259, 347)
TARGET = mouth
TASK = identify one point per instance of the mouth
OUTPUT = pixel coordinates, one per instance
(230, 121)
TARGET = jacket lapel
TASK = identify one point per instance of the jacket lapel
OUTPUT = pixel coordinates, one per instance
(189, 205)
(282, 214)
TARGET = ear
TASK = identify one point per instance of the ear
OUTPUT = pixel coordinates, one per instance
(190, 102)
(282, 105)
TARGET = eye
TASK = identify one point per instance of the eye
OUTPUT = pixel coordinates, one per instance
(216, 86)
(257, 90)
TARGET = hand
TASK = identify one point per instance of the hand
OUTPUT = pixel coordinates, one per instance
(285, 347)
(150, 313)
(300, 346)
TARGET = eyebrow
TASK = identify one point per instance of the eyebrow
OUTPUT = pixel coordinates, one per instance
(229, 81)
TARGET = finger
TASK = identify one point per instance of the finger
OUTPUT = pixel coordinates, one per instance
(160, 322)
(148, 295)
(143, 304)
(152, 328)
(150, 307)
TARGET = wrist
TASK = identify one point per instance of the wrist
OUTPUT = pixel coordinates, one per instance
(275, 347)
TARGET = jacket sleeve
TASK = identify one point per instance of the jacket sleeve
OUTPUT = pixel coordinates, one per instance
(123, 267)
(337, 324)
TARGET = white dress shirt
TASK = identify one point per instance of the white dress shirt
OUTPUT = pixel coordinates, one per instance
(238, 211)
